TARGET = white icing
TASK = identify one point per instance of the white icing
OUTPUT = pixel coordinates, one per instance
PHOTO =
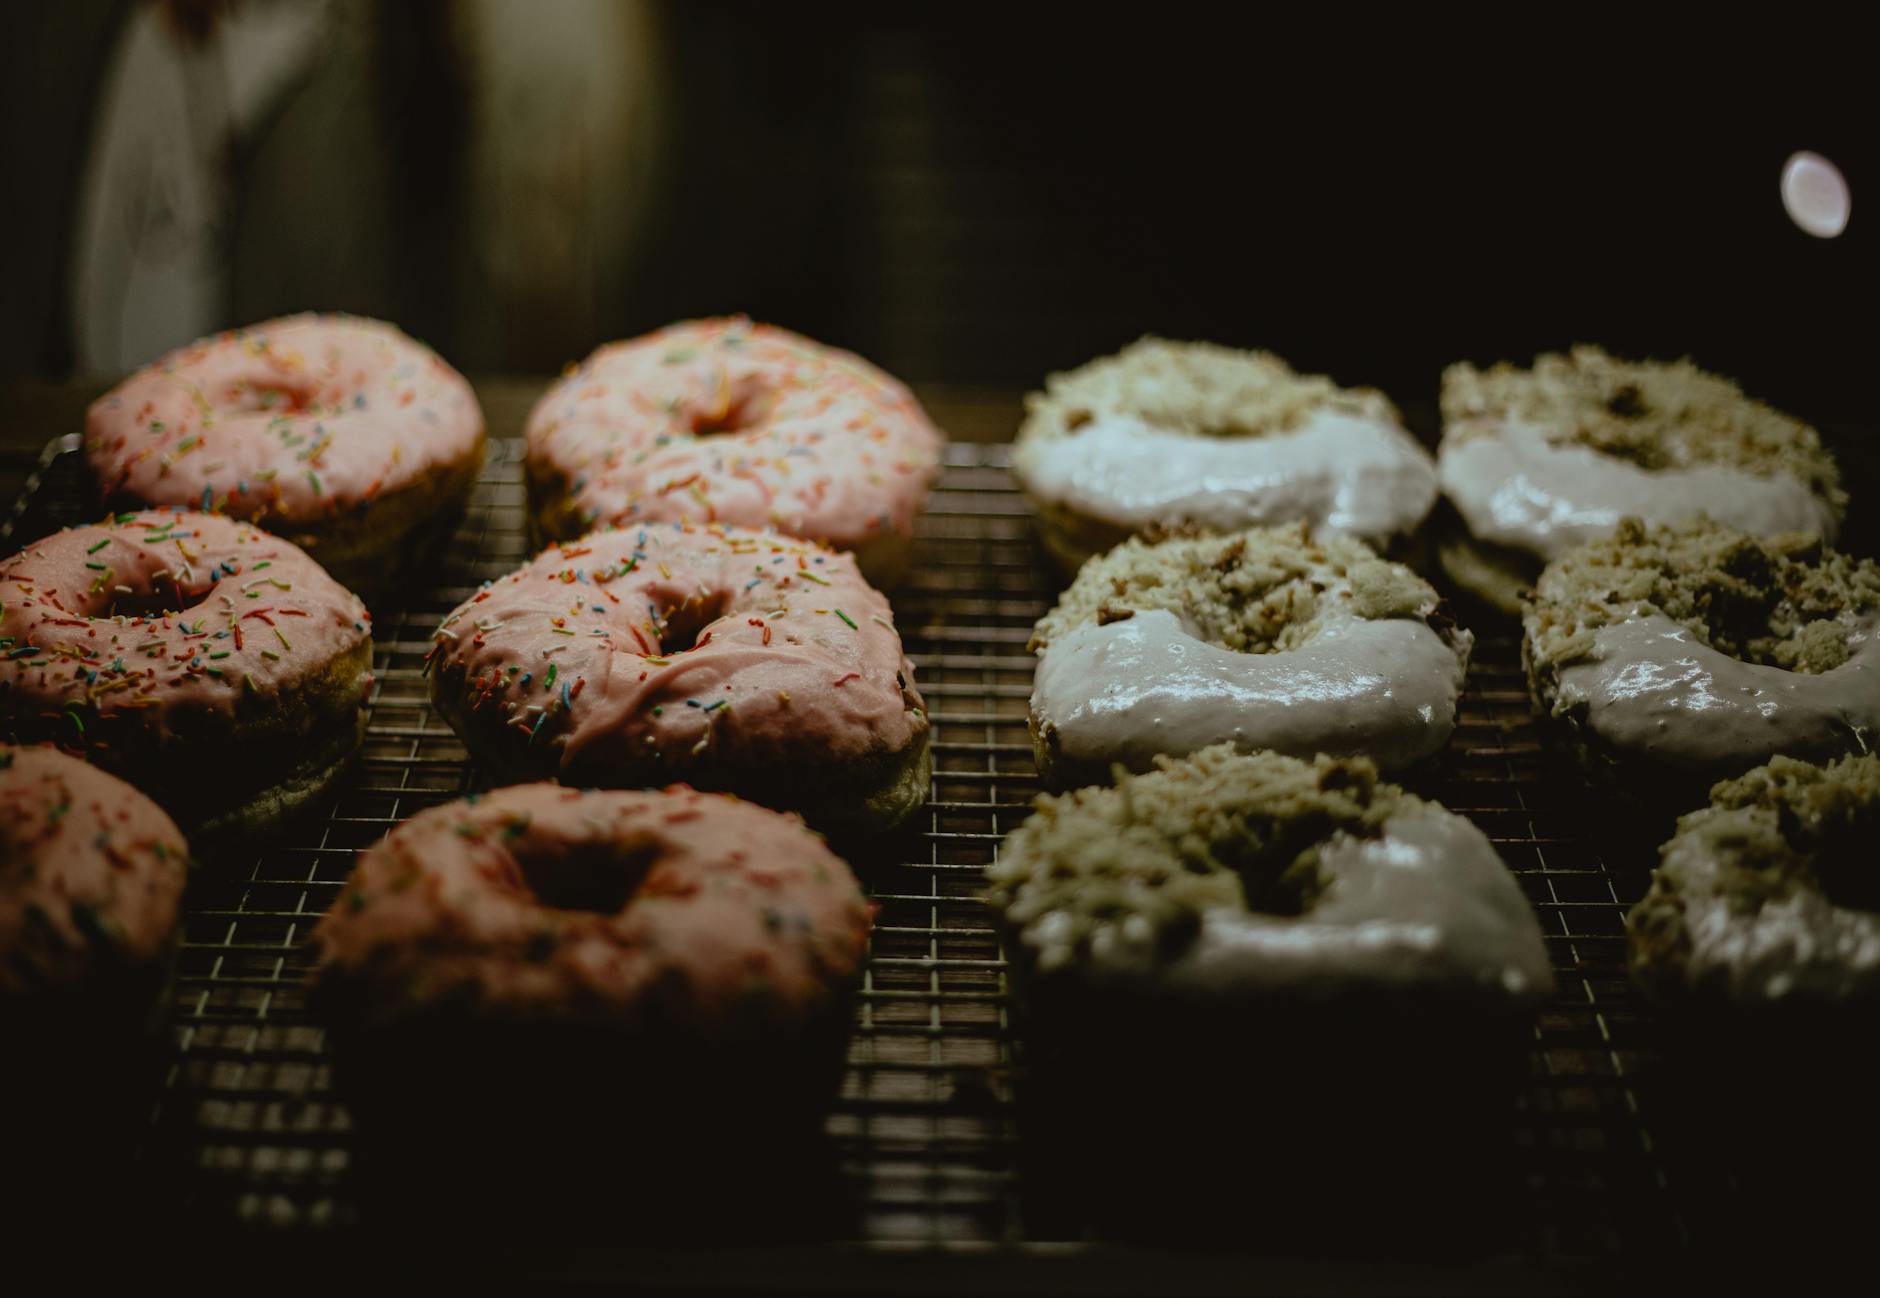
(1802, 946)
(1428, 902)
(1650, 686)
(1514, 488)
(1341, 473)
(1130, 690)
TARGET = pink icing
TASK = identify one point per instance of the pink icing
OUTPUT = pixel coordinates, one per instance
(157, 617)
(703, 899)
(284, 423)
(81, 853)
(796, 660)
(726, 421)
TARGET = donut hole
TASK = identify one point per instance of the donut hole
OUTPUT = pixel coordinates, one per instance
(1619, 431)
(1281, 875)
(1836, 827)
(600, 878)
(681, 625)
(746, 404)
(274, 394)
(1628, 402)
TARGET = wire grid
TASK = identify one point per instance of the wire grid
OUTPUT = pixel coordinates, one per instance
(248, 1129)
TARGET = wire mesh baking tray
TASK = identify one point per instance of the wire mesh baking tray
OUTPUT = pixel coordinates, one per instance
(247, 1132)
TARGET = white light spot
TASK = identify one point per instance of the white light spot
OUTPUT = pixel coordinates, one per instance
(1815, 194)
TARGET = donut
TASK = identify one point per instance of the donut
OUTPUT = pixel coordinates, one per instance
(541, 969)
(1757, 953)
(91, 882)
(1264, 638)
(725, 421)
(91, 879)
(339, 433)
(214, 666)
(651, 911)
(1768, 896)
(1536, 462)
(1671, 656)
(1227, 876)
(1226, 962)
(1170, 433)
(723, 658)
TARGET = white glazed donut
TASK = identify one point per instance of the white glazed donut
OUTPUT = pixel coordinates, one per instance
(1694, 652)
(1223, 964)
(1192, 433)
(1539, 461)
(1262, 639)
(1766, 896)
(1338, 885)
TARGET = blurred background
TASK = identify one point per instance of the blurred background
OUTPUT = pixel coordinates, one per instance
(968, 194)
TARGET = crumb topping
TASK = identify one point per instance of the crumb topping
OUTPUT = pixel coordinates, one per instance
(1200, 389)
(1792, 824)
(1132, 868)
(1652, 414)
(1769, 894)
(1263, 590)
(1785, 601)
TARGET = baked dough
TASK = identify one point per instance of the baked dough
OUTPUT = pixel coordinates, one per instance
(624, 910)
(1251, 961)
(209, 663)
(91, 878)
(1673, 656)
(91, 886)
(1769, 896)
(339, 433)
(541, 970)
(1237, 877)
(1539, 461)
(1170, 434)
(725, 421)
(724, 658)
(1265, 638)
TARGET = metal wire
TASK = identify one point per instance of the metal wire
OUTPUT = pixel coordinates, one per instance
(248, 1130)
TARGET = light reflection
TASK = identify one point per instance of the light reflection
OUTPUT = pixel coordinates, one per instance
(1815, 195)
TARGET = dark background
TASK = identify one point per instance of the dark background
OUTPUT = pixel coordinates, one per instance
(981, 194)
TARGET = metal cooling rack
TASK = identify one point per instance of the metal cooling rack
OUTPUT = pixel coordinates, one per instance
(247, 1131)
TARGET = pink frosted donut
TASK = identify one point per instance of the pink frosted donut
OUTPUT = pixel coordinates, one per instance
(615, 906)
(339, 433)
(543, 968)
(91, 885)
(91, 875)
(725, 658)
(214, 666)
(724, 421)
